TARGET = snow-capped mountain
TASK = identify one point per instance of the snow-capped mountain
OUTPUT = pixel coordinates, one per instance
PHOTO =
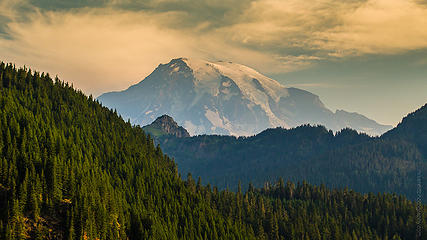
(226, 98)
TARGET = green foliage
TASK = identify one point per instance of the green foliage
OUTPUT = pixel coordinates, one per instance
(154, 131)
(312, 153)
(72, 169)
(413, 128)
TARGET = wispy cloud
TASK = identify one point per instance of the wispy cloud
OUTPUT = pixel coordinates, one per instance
(104, 49)
(11, 11)
(94, 47)
(117, 42)
(332, 28)
(379, 26)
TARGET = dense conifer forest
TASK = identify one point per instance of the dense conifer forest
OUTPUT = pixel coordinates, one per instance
(389, 163)
(73, 169)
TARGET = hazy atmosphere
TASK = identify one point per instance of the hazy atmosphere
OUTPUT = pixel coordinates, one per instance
(368, 56)
(213, 119)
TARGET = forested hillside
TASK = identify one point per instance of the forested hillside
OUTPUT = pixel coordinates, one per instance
(72, 169)
(413, 128)
(389, 163)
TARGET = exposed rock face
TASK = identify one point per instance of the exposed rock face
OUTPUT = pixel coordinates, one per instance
(226, 98)
(165, 124)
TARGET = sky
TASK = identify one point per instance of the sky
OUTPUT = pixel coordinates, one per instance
(365, 56)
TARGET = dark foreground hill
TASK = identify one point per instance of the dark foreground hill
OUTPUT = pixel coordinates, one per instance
(390, 163)
(72, 169)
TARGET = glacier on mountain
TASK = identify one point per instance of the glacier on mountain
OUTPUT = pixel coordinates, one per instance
(226, 98)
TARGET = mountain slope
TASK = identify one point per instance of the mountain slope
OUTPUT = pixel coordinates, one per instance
(367, 164)
(412, 128)
(165, 125)
(226, 98)
(72, 169)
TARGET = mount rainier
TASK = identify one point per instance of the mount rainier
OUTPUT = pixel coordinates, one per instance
(226, 98)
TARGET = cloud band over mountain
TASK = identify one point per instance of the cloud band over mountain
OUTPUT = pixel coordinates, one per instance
(118, 42)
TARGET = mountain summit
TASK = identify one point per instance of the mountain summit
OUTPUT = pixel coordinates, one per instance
(226, 98)
(165, 125)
